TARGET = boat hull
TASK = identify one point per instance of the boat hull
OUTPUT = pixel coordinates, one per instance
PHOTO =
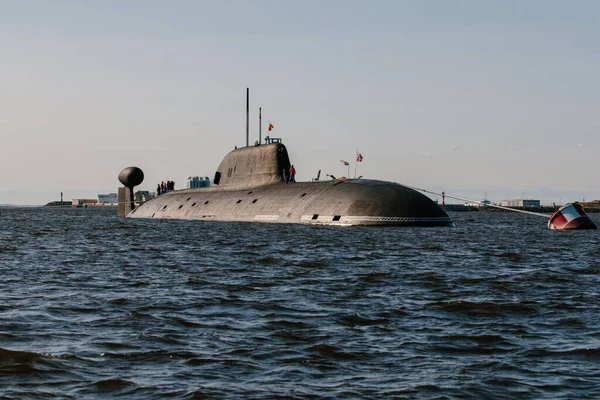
(336, 202)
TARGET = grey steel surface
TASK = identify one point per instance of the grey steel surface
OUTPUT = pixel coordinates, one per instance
(351, 202)
(250, 185)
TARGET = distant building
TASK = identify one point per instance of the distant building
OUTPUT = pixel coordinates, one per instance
(110, 198)
(142, 195)
(194, 182)
(84, 202)
(482, 203)
(520, 203)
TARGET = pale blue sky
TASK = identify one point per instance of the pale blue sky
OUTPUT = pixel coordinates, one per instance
(470, 97)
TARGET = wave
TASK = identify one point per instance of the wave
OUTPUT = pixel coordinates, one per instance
(153, 355)
(486, 308)
(110, 385)
(358, 320)
(329, 351)
(591, 352)
(26, 363)
(17, 356)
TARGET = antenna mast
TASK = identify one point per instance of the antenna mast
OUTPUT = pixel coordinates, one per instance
(259, 124)
(247, 115)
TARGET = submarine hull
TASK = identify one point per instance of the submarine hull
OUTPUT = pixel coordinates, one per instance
(335, 202)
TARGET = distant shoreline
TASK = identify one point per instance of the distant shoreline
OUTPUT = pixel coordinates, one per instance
(20, 205)
(69, 204)
(59, 204)
(447, 207)
(540, 209)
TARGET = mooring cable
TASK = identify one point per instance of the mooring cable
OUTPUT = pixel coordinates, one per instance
(480, 202)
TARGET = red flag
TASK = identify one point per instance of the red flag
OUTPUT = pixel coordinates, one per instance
(270, 127)
(359, 157)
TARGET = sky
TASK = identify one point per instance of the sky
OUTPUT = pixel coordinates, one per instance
(479, 98)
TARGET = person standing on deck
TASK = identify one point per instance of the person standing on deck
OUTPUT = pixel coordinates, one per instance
(292, 174)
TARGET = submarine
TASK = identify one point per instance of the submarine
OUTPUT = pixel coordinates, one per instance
(252, 185)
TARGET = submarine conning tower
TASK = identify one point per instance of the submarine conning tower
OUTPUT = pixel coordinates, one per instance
(253, 166)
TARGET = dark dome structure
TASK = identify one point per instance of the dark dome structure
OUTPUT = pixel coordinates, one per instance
(131, 177)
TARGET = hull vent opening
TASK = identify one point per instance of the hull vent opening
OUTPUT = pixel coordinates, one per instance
(337, 217)
(315, 216)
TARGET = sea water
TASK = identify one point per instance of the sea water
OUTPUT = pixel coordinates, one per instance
(96, 306)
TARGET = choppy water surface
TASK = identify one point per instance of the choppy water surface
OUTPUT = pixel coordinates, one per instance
(94, 306)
